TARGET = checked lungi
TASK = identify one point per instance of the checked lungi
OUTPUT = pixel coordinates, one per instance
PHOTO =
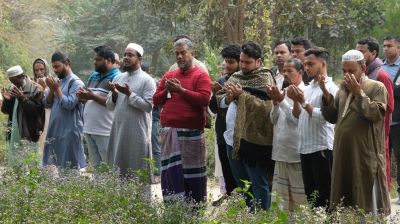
(183, 163)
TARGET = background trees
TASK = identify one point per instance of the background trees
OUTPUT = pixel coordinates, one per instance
(30, 29)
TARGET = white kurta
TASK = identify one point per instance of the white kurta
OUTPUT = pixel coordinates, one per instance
(130, 138)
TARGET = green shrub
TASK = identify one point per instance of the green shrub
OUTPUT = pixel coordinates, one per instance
(29, 194)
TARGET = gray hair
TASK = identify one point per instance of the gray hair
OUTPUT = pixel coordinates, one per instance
(298, 65)
(183, 42)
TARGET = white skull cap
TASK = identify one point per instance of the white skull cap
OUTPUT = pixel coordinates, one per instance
(353, 55)
(136, 47)
(14, 71)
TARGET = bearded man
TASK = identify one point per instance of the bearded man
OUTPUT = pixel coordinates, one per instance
(63, 146)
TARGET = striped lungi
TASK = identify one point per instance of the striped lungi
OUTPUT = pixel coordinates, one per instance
(183, 163)
(288, 184)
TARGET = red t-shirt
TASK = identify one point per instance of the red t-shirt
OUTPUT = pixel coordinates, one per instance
(186, 110)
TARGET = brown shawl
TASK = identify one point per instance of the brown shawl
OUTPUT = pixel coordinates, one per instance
(253, 125)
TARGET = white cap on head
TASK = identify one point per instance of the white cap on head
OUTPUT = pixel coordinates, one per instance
(136, 47)
(353, 55)
(116, 56)
(14, 71)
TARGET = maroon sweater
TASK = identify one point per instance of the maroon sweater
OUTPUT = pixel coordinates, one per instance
(186, 110)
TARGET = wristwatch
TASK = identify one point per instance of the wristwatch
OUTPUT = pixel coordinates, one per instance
(304, 104)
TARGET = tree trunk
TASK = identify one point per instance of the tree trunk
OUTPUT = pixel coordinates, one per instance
(241, 6)
(234, 24)
(154, 62)
(228, 27)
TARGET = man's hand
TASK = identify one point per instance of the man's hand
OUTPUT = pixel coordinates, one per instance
(326, 95)
(42, 83)
(112, 88)
(295, 93)
(321, 82)
(18, 93)
(352, 84)
(275, 94)
(229, 96)
(84, 94)
(215, 87)
(52, 83)
(236, 90)
(125, 89)
(174, 86)
(114, 92)
(6, 94)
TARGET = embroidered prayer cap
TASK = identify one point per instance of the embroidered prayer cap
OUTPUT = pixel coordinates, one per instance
(353, 55)
(136, 47)
(14, 71)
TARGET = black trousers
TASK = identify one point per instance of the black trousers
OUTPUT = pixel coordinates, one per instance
(394, 143)
(230, 183)
(317, 169)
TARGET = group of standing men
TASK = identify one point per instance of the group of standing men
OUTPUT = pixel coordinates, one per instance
(330, 144)
(275, 127)
(99, 111)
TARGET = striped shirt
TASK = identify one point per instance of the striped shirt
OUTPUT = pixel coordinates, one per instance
(286, 136)
(316, 133)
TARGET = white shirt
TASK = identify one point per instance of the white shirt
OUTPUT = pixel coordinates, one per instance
(316, 134)
(97, 118)
(230, 121)
(279, 80)
(286, 136)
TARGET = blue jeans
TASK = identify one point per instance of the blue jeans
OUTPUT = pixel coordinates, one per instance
(155, 144)
(254, 173)
(97, 148)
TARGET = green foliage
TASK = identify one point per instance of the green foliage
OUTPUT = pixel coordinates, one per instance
(391, 9)
(29, 194)
(32, 195)
(210, 146)
(3, 125)
(213, 62)
(26, 32)
(335, 25)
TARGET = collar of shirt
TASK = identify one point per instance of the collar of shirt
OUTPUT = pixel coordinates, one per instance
(134, 72)
(301, 85)
(278, 73)
(327, 79)
(396, 63)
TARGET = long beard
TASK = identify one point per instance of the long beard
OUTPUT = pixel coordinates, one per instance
(62, 74)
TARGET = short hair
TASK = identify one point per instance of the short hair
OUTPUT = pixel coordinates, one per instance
(301, 41)
(105, 52)
(231, 51)
(319, 52)
(395, 38)
(286, 42)
(59, 56)
(372, 44)
(298, 65)
(181, 37)
(183, 42)
(252, 50)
